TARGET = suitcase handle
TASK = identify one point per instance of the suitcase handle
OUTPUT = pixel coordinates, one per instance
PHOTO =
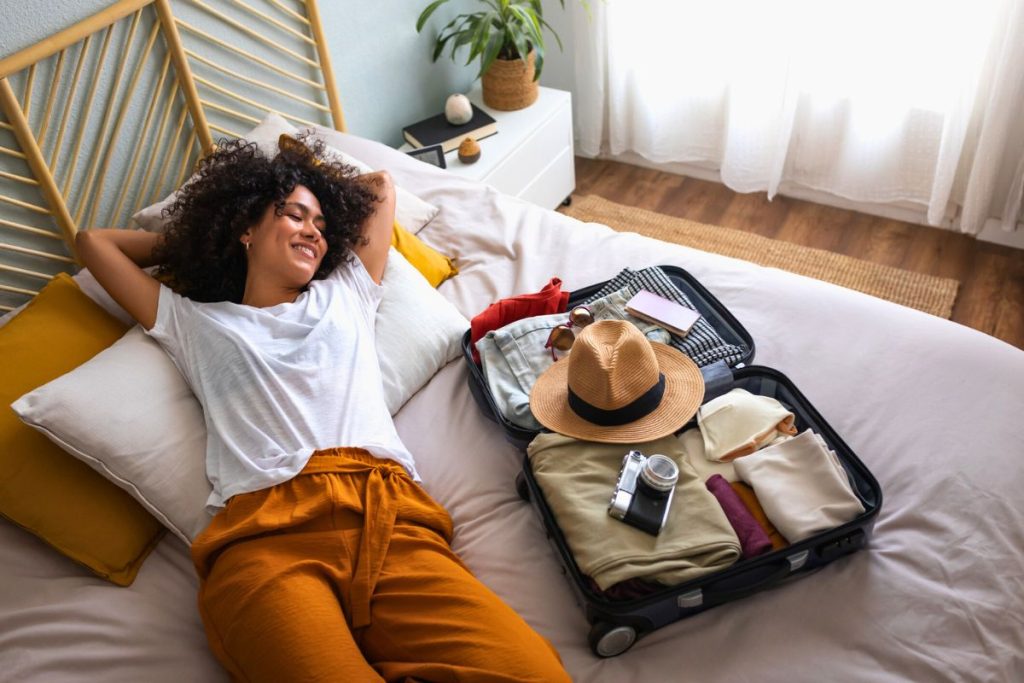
(777, 573)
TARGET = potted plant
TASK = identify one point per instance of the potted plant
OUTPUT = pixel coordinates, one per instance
(507, 38)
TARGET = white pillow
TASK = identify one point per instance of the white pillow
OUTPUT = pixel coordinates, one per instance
(411, 212)
(144, 429)
(128, 414)
(417, 331)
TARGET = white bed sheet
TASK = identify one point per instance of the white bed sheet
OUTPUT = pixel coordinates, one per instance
(933, 409)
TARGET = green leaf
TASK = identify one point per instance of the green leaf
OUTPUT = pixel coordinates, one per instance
(525, 17)
(530, 28)
(427, 12)
(454, 26)
(439, 45)
(490, 54)
(463, 39)
(480, 36)
(451, 31)
(522, 46)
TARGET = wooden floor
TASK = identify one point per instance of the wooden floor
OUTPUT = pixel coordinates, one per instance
(991, 294)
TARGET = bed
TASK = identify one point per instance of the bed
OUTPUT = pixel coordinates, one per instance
(932, 408)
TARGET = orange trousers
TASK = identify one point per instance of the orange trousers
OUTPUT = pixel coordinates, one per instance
(344, 573)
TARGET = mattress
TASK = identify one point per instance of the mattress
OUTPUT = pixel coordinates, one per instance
(932, 408)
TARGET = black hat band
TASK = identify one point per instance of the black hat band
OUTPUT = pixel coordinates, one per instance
(644, 405)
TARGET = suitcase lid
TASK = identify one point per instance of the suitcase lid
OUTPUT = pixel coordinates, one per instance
(710, 308)
(724, 322)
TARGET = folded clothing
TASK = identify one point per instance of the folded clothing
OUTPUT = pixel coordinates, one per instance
(692, 443)
(550, 299)
(749, 498)
(514, 356)
(801, 485)
(739, 422)
(753, 538)
(578, 477)
(703, 344)
(630, 589)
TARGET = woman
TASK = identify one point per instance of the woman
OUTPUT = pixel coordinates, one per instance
(325, 559)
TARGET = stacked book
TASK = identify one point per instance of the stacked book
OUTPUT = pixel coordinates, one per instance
(437, 131)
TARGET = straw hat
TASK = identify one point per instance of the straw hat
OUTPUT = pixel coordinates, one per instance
(617, 387)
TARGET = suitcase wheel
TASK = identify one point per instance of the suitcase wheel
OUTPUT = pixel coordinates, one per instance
(522, 488)
(610, 640)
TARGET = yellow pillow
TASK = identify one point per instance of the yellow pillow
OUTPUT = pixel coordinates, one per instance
(43, 489)
(434, 266)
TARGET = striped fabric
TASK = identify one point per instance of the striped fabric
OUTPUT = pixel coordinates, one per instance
(703, 344)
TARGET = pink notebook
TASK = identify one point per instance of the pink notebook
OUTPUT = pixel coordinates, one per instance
(661, 311)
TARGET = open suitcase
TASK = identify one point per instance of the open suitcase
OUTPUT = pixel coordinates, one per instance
(617, 624)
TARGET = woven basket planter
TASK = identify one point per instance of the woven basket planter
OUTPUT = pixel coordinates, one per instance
(509, 85)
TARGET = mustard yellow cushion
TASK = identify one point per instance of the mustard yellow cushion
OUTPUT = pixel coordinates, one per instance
(434, 265)
(43, 489)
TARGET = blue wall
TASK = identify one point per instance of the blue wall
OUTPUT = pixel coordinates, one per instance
(383, 68)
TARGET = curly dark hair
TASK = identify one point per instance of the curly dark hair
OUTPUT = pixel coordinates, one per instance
(201, 256)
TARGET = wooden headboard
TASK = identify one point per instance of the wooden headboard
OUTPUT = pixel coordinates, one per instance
(111, 114)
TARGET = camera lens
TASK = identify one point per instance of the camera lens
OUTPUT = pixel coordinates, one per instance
(660, 472)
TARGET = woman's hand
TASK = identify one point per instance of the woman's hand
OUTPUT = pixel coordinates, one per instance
(116, 259)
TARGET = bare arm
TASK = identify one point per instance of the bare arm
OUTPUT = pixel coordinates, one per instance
(116, 259)
(378, 227)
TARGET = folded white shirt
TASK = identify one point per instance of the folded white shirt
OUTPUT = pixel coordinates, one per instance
(801, 486)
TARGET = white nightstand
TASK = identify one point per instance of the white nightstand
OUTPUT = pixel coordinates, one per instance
(531, 156)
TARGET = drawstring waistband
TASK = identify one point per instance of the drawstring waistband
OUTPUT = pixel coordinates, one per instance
(379, 513)
(388, 493)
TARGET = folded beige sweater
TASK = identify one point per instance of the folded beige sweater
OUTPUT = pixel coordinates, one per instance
(578, 477)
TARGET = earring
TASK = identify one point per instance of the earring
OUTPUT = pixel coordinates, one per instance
(247, 245)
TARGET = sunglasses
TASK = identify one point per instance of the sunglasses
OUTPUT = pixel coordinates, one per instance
(563, 336)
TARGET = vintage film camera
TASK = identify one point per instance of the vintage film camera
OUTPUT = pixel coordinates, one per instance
(643, 493)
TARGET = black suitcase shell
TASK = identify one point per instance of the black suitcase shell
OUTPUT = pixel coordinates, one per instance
(707, 305)
(616, 624)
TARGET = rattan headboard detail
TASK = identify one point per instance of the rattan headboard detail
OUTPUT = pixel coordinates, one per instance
(111, 114)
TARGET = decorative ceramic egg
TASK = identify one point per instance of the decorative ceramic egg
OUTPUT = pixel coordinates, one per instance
(469, 151)
(458, 110)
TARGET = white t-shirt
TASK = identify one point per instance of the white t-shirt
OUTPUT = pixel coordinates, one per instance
(278, 383)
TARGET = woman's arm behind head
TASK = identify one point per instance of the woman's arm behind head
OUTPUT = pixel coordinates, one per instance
(116, 258)
(378, 226)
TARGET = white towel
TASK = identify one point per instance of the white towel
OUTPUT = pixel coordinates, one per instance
(801, 486)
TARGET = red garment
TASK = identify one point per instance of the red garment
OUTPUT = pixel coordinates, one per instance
(550, 299)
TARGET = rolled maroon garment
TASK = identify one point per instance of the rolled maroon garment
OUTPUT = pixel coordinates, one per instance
(753, 540)
(550, 299)
(629, 589)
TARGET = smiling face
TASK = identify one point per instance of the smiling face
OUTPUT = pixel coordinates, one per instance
(287, 245)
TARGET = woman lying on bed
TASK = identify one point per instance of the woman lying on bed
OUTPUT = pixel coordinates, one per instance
(325, 560)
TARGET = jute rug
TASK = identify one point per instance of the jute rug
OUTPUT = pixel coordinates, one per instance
(926, 293)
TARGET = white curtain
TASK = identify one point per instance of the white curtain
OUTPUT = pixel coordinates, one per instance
(878, 101)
